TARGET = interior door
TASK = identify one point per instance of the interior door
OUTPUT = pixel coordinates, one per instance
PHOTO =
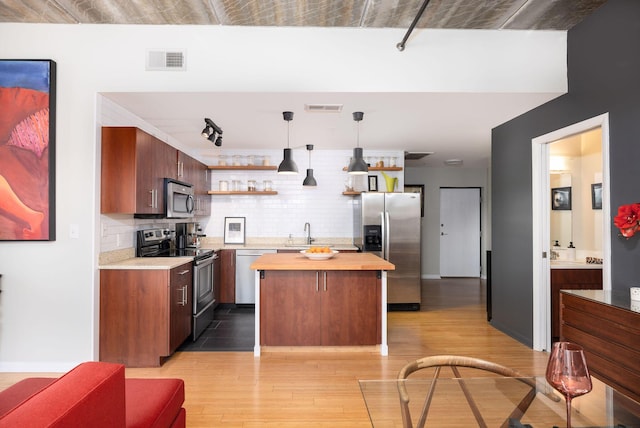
(460, 232)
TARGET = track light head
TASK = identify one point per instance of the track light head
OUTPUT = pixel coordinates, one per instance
(218, 141)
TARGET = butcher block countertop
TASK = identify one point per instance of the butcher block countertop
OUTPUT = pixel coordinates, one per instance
(341, 261)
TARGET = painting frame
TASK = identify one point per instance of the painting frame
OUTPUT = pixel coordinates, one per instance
(373, 183)
(416, 188)
(596, 196)
(28, 149)
(234, 230)
(561, 199)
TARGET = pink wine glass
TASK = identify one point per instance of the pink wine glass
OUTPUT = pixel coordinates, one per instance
(567, 372)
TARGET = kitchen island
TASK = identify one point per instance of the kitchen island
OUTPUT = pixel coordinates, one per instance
(339, 302)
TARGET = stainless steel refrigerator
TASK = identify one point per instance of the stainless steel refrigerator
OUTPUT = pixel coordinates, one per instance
(388, 225)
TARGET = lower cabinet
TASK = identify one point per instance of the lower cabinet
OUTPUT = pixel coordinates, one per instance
(570, 279)
(144, 314)
(227, 276)
(320, 308)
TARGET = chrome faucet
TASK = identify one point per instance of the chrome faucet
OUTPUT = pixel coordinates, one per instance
(307, 228)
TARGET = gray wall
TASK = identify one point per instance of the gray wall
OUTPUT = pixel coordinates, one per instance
(604, 76)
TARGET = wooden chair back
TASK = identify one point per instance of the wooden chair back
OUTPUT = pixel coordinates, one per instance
(454, 362)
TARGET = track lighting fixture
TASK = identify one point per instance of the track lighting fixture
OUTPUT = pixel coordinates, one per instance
(287, 166)
(358, 166)
(309, 180)
(210, 130)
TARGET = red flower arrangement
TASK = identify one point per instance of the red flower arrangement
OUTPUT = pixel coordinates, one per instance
(628, 219)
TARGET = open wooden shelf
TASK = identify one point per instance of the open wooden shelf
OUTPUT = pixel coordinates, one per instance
(381, 168)
(231, 192)
(244, 167)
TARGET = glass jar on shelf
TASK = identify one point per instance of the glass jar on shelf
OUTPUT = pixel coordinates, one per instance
(250, 160)
(223, 186)
(251, 185)
(393, 161)
(267, 185)
(222, 160)
(266, 160)
(237, 160)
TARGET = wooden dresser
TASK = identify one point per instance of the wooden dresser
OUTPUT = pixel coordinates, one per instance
(603, 323)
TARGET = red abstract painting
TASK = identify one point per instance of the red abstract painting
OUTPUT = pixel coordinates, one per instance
(27, 150)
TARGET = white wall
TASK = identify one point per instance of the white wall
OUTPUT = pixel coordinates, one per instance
(433, 179)
(48, 307)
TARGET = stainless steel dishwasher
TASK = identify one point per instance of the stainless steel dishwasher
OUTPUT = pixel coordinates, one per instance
(245, 276)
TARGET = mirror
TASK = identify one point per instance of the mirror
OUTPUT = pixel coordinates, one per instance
(575, 164)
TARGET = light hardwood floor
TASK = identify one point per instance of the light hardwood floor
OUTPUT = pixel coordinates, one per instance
(320, 389)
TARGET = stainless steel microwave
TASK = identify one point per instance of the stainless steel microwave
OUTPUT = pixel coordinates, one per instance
(178, 199)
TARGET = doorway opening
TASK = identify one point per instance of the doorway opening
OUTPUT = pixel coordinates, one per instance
(541, 203)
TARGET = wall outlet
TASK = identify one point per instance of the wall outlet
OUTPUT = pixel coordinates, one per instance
(74, 231)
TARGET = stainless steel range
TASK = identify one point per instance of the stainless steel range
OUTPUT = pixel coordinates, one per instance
(160, 243)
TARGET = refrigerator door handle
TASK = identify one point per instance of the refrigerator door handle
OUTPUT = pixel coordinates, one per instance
(383, 233)
(386, 234)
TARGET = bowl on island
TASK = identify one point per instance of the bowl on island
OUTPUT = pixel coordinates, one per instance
(315, 255)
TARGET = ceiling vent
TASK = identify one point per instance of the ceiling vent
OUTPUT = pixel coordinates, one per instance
(323, 108)
(173, 60)
(416, 155)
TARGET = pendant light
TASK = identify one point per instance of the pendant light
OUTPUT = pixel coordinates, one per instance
(309, 180)
(358, 166)
(287, 166)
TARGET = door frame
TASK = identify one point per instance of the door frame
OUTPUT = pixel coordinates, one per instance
(541, 195)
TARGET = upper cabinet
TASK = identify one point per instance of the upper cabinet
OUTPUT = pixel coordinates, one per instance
(134, 166)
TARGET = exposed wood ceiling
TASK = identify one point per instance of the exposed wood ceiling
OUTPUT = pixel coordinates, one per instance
(467, 14)
(446, 137)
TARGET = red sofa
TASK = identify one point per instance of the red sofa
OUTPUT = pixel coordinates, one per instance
(93, 394)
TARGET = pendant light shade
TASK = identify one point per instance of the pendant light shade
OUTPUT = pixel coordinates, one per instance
(358, 166)
(287, 166)
(309, 180)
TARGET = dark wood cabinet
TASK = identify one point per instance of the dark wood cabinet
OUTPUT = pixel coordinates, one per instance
(132, 175)
(610, 336)
(145, 314)
(181, 294)
(320, 308)
(570, 279)
(134, 166)
(227, 276)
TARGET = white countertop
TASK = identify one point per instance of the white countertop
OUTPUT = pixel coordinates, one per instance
(573, 264)
(148, 263)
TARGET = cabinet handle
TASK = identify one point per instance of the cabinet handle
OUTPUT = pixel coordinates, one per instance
(155, 198)
(325, 280)
(184, 296)
(151, 202)
(317, 281)
(184, 272)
